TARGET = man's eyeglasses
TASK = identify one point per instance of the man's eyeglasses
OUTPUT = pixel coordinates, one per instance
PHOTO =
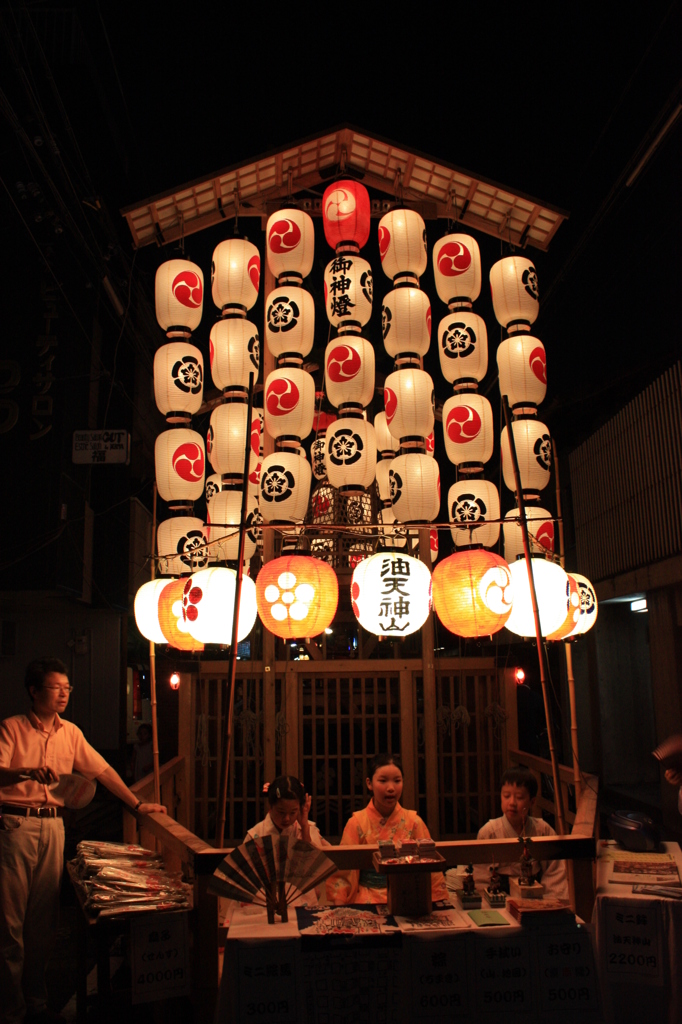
(59, 689)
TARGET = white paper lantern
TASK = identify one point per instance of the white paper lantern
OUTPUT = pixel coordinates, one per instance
(409, 404)
(383, 482)
(392, 536)
(387, 444)
(178, 381)
(534, 453)
(473, 503)
(213, 486)
(514, 286)
(290, 244)
(234, 348)
(402, 245)
(256, 452)
(431, 444)
(289, 322)
(468, 431)
(180, 460)
(182, 545)
(415, 488)
(522, 367)
(351, 454)
(457, 270)
(349, 372)
(285, 481)
(348, 290)
(552, 588)
(208, 606)
(226, 439)
(289, 405)
(179, 293)
(223, 517)
(147, 610)
(391, 594)
(589, 606)
(540, 533)
(318, 451)
(406, 321)
(235, 274)
(463, 348)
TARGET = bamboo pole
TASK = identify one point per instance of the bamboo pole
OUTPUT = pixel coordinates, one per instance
(232, 671)
(558, 796)
(152, 673)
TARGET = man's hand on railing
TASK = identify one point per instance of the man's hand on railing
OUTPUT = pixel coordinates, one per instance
(151, 809)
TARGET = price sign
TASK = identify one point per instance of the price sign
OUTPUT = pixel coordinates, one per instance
(632, 929)
(503, 978)
(95, 447)
(265, 981)
(160, 956)
(350, 981)
(439, 977)
(566, 974)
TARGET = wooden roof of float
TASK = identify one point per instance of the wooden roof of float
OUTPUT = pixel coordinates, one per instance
(257, 188)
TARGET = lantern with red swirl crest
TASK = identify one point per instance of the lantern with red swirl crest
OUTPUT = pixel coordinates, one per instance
(414, 483)
(402, 246)
(349, 373)
(289, 405)
(285, 481)
(290, 238)
(182, 544)
(534, 452)
(351, 454)
(468, 431)
(179, 292)
(178, 381)
(406, 324)
(463, 349)
(234, 349)
(180, 462)
(516, 298)
(409, 405)
(457, 270)
(289, 324)
(522, 366)
(235, 276)
(540, 533)
(472, 504)
(346, 215)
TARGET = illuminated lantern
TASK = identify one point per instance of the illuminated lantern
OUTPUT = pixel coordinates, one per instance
(387, 444)
(540, 533)
(415, 488)
(383, 483)
(514, 286)
(171, 621)
(433, 543)
(226, 440)
(406, 322)
(534, 453)
(402, 246)
(285, 480)
(179, 293)
(235, 275)
(463, 349)
(349, 372)
(457, 270)
(178, 381)
(552, 589)
(589, 607)
(147, 610)
(572, 611)
(391, 594)
(468, 431)
(289, 323)
(234, 348)
(409, 404)
(472, 503)
(348, 291)
(179, 460)
(346, 215)
(254, 471)
(351, 455)
(290, 239)
(208, 606)
(289, 405)
(261, 417)
(318, 451)
(297, 596)
(522, 367)
(473, 592)
(223, 519)
(214, 484)
(431, 444)
(391, 536)
(182, 544)
(323, 503)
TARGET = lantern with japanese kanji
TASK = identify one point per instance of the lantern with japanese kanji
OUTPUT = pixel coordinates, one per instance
(285, 481)
(318, 452)
(182, 545)
(406, 322)
(234, 349)
(471, 505)
(348, 291)
(290, 238)
(534, 453)
(472, 592)
(414, 482)
(468, 431)
(289, 405)
(553, 595)
(391, 594)
(297, 596)
(409, 404)
(208, 606)
(289, 323)
(179, 459)
(346, 215)
(349, 372)
(351, 454)
(457, 270)
(179, 293)
(147, 610)
(178, 381)
(402, 246)
(522, 367)
(540, 533)
(235, 275)
(514, 286)
(463, 349)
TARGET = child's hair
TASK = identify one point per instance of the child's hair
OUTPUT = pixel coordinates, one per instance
(286, 787)
(520, 777)
(382, 761)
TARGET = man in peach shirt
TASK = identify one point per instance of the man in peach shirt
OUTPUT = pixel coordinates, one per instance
(35, 749)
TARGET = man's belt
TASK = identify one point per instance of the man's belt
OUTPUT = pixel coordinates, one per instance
(32, 812)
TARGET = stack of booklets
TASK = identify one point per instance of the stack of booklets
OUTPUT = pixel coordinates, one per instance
(526, 911)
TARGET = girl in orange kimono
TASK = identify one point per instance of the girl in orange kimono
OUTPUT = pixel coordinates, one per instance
(382, 818)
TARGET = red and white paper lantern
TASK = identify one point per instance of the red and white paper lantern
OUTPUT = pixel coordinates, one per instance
(457, 270)
(182, 545)
(402, 246)
(514, 286)
(289, 405)
(289, 322)
(179, 293)
(290, 239)
(349, 372)
(383, 481)
(234, 349)
(463, 349)
(226, 439)
(351, 454)
(472, 504)
(415, 488)
(348, 291)
(178, 381)
(522, 366)
(540, 533)
(285, 481)
(346, 215)
(235, 275)
(387, 444)
(409, 404)
(468, 431)
(534, 453)
(406, 321)
(589, 607)
(208, 606)
(180, 460)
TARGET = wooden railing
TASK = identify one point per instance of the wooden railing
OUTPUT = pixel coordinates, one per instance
(174, 797)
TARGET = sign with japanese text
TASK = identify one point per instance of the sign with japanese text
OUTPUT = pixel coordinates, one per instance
(439, 978)
(567, 976)
(159, 956)
(263, 980)
(632, 929)
(94, 447)
(504, 977)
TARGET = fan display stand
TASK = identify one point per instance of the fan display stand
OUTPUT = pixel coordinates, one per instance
(409, 884)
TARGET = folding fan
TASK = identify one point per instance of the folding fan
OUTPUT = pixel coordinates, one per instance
(271, 873)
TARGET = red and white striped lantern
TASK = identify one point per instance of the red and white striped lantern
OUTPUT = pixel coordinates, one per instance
(289, 405)
(348, 291)
(234, 349)
(457, 270)
(472, 504)
(182, 545)
(351, 454)
(415, 488)
(178, 381)
(522, 366)
(409, 405)
(346, 215)
(516, 298)
(290, 240)
(179, 294)
(540, 533)
(468, 431)
(534, 453)
(463, 349)
(180, 460)
(235, 275)
(406, 322)
(289, 323)
(349, 372)
(285, 481)
(402, 246)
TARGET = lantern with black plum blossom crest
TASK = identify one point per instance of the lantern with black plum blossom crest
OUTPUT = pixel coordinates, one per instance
(289, 405)
(402, 246)
(235, 275)
(553, 590)
(522, 366)
(285, 481)
(391, 594)
(289, 323)
(234, 349)
(540, 533)
(349, 372)
(346, 215)
(534, 452)
(290, 237)
(471, 505)
(414, 481)
(409, 404)
(351, 454)
(473, 592)
(208, 606)
(182, 545)
(180, 461)
(348, 292)
(514, 286)
(463, 349)
(147, 610)
(457, 270)
(297, 596)
(178, 381)
(214, 484)
(179, 292)
(468, 431)
(406, 322)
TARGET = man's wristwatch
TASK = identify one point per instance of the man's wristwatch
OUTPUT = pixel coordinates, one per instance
(137, 805)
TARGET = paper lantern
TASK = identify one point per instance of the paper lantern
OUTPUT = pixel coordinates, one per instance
(346, 215)
(433, 543)
(348, 290)
(457, 270)
(409, 404)
(349, 372)
(351, 454)
(214, 484)
(572, 611)
(208, 606)
(472, 503)
(463, 348)
(235, 275)
(179, 460)
(383, 482)
(323, 503)
(473, 592)
(522, 367)
(290, 239)
(234, 349)
(147, 610)
(387, 444)
(171, 621)
(179, 293)
(540, 533)
(318, 451)
(297, 596)
(552, 589)
(391, 594)
(415, 488)
(223, 518)
(391, 536)
(289, 322)
(468, 431)
(226, 440)
(431, 444)
(402, 246)
(514, 286)
(289, 405)
(256, 452)
(589, 606)
(284, 487)
(534, 453)
(406, 321)
(178, 381)
(182, 545)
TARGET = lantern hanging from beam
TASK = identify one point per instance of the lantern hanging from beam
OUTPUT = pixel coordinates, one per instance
(297, 596)
(346, 215)
(223, 518)
(387, 444)
(463, 349)
(402, 246)
(391, 594)
(552, 588)
(457, 270)
(226, 439)
(289, 323)
(208, 606)
(182, 544)
(147, 610)
(516, 298)
(214, 484)
(589, 606)
(348, 292)
(234, 350)
(235, 275)
(522, 366)
(534, 453)
(572, 611)
(171, 621)
(178, 381)
(409, 404)
(471, 504)
(284, 487)
(468, 431)
(473, 592)
(540, 533)
(406, 322)
(179, 294)
(349, 372)
(179, 460)
(414, 481)
(351, 454)
(289, 405)
(290, 237)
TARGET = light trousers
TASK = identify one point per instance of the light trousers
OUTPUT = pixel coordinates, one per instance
(31, 862)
